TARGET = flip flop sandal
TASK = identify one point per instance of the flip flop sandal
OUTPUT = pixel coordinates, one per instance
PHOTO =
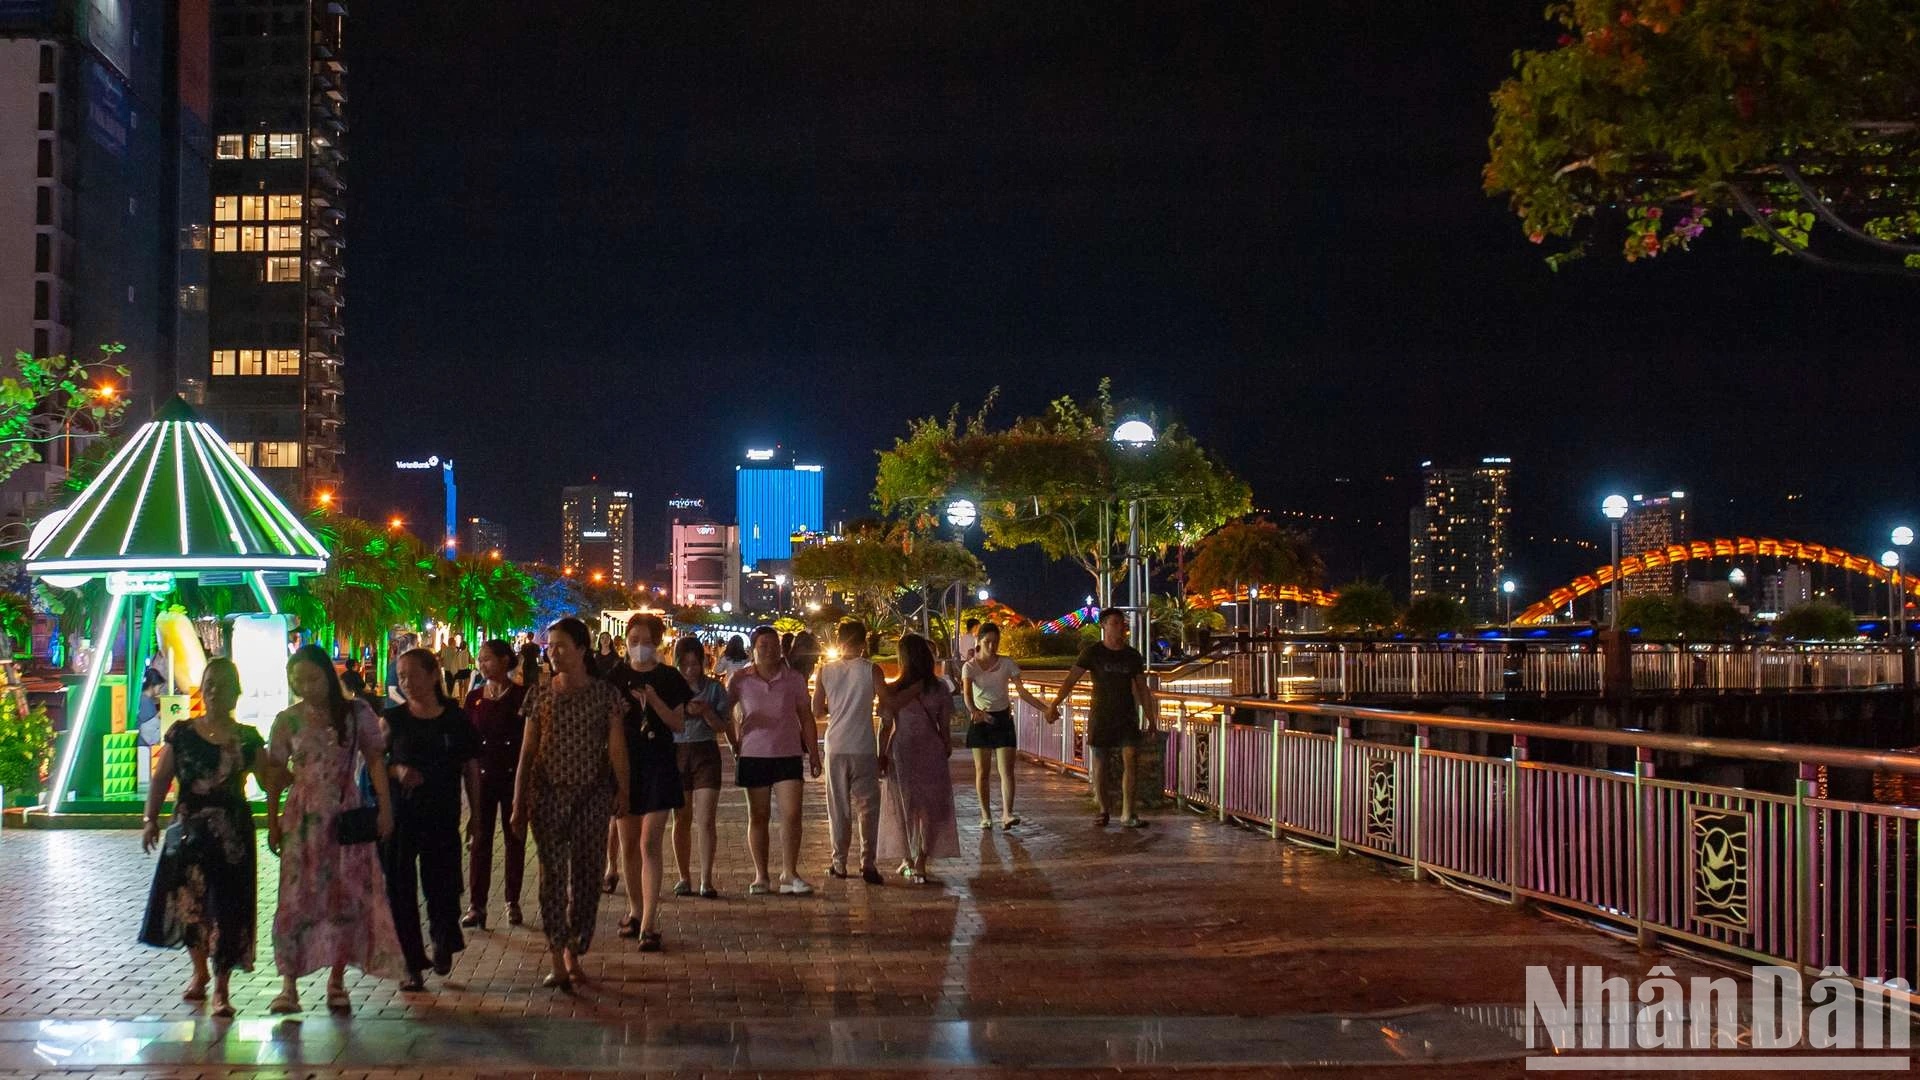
(682, 888)
(758, 888)
(283, 1004)
(629, 927)
(1010, 822)
(609, 883)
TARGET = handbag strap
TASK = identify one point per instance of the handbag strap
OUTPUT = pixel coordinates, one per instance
(353, 749)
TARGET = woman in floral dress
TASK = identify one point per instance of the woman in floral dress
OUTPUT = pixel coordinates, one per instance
(916, 802)
(204, 890)
(333, 899)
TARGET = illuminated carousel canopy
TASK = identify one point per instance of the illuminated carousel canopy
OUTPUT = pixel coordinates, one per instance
(175, 499)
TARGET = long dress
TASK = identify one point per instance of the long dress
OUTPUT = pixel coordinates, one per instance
(333, 897)
(916, 801)
(204, 888)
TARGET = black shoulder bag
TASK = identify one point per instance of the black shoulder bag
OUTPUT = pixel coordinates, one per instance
(361, 825)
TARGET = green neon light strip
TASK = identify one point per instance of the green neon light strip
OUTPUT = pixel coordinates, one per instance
(106, 494)
(180, 488)
(275, 507)
(73, 511)
(308, 563)
(77, 727)
(146, 482)
(266, 594)
(219, 497)
(230, 464)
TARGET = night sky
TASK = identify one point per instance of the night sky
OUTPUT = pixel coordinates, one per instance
(633, 239)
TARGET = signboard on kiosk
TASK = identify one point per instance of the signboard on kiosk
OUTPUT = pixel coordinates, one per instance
(260, 652)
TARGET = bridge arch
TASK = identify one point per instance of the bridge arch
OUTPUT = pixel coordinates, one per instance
(1716, 548)
(1316, 597)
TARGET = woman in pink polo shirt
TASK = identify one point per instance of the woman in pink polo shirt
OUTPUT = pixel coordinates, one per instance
(776, 730)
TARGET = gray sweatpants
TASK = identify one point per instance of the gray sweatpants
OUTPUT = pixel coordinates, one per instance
(853, 790)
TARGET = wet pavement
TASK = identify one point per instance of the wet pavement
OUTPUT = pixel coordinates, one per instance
(1189, 945)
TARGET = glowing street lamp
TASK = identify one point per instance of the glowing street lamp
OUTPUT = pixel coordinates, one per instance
(984, 595)
(961, 514)
(1614, 507)
(1506, 589)
(395, 523)
(1902, 536)
(1134, 433)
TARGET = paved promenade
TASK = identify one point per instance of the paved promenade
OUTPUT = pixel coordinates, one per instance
(1187, 945)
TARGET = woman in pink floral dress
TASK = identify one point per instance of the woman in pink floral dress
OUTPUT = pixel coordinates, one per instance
(333, 899)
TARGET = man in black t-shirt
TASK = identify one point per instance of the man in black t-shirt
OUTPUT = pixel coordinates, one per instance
(1120, 697)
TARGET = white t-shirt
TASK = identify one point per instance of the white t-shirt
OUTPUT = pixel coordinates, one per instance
(990, 687)
(965, 645)
(850, 685)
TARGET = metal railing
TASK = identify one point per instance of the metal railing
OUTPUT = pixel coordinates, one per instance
(1339, 670)
(1788, 877)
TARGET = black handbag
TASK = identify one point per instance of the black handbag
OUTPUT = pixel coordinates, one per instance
(360, 825)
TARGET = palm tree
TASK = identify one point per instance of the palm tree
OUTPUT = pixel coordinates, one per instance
(1254, 553)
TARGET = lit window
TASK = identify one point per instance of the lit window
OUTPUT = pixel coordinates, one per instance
(243, 451)
(249, 362)
(279, 455)
(223, 362)
(226, 238)
(284, 207)
(253, 207)
(230, 147)
(283, 238)
(284, 146)
(283, 362)
(283, 268)
(256, 146)
(253, 238)
(226, 208)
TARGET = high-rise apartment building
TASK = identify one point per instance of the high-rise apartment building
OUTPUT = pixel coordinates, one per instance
(776, 498)
(1458, 543)
(103, 182)
(1791, 587)
(596, 533)
(1654, 522)
(484, 537)
(706, 564)
(273, 366)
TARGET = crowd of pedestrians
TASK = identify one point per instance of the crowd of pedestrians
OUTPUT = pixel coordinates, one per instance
(595, 751)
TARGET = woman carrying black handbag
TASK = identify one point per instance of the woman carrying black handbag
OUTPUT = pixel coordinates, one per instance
(333, 905)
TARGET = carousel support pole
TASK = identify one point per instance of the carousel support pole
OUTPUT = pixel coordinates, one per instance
(138, 629)
(77, 721)
(258, 580)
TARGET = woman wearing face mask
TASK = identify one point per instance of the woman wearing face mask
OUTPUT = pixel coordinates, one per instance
(657, 695)
(573, 771)
(333, 908)
(204, 888)
(430, 760)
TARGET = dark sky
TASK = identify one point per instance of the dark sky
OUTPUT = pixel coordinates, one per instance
(632, 239)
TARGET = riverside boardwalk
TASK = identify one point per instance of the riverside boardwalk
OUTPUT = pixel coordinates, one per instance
(1188, 946)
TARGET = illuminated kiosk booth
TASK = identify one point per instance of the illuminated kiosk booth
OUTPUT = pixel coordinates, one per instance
(175, 502)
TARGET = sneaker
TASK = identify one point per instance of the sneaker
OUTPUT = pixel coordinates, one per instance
(795, 887)
(871, 876)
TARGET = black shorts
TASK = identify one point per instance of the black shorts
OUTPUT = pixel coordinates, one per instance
(1113, 733)
(997, 732)
(759, 772)
(699, 764)
(653, 777)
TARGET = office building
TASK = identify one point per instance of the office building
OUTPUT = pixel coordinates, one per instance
(776, 498)
(273, 369)
(705, 563)
(484, 537)
(1459, 535)
(681, 508)
(103, 182)
(1652, 523)
(596, 533)
(1786, 590)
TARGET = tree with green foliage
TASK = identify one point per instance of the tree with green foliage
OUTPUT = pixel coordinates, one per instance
(1660, 116)
(1661, 617)
(864, 566)
(1816, 620)
(1433, 614)
(1245, 555)
(1177, 616)
(487, 597)
(376, 578)
(1363, 606)
(49, 398)
(1058, 481)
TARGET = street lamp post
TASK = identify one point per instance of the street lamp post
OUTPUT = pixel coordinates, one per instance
(1891, 560)
(1506, 590)
(779, 593)
(1137, 433)
(1902, 536)
(1615, 508)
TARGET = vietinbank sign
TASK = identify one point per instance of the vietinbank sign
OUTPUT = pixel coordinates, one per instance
(430, 463)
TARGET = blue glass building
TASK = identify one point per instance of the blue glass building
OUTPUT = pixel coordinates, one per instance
(774, 501)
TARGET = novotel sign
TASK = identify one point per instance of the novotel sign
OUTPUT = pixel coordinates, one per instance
(430, 463)
(686, 504)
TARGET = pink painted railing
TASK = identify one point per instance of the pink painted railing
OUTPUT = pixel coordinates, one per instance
(1786, 877)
